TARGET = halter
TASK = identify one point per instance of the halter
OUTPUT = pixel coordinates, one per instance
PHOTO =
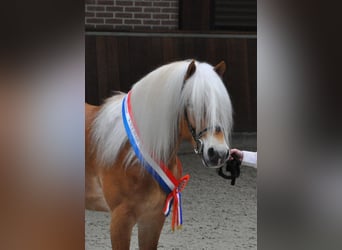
(197, 138)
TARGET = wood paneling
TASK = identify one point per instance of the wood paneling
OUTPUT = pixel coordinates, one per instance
(117, 62)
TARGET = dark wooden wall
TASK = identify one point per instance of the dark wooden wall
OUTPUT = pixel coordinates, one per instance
(195, 15)
(116, 62)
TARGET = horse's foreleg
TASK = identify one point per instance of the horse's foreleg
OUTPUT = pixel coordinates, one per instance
(149, 229)
(121, 226)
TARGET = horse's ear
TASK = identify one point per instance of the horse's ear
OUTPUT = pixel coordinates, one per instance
(190, 71)
(220, 68)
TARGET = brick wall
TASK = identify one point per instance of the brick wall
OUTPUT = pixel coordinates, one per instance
(131, 15)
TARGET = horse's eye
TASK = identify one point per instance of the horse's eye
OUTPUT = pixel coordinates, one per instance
(218, 129)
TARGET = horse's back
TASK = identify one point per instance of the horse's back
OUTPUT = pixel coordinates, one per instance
(90, 113)
(93, 188)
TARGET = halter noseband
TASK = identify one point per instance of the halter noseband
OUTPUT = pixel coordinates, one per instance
(197, 137)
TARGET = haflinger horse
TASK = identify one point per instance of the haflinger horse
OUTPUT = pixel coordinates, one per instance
(132, 169)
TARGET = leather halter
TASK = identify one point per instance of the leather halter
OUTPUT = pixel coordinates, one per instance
(197, 137)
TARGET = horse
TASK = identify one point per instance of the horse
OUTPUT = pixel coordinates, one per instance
(182, 100)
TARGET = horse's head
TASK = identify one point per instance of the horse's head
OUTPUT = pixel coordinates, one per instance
(207, 114)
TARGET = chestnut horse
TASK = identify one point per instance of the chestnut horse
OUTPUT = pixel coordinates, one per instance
(180, 100)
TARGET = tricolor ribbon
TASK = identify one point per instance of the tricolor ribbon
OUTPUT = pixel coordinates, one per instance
(171, 186)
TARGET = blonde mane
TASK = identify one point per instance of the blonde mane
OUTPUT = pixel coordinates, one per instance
(158, 102)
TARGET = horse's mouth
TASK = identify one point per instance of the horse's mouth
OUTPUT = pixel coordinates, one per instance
(213, 164)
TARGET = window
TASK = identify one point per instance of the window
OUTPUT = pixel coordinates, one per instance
(234, 15)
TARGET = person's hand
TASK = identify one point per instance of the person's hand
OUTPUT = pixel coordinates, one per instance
(237, 153)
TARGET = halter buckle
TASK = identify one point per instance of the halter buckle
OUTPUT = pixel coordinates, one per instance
(199, 146)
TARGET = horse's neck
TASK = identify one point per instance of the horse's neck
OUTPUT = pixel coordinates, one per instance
(184, 134)
(173, 162)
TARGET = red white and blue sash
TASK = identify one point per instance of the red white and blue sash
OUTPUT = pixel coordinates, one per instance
(171, 186)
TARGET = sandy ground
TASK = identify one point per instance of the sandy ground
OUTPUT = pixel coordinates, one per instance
(216, 215)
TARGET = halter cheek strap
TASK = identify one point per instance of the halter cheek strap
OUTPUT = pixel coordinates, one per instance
(197, 137)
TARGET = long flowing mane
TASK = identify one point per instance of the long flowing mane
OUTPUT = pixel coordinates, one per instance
(158, 102)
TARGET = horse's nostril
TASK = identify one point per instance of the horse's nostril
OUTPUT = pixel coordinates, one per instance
(217, 157)
(211, 152)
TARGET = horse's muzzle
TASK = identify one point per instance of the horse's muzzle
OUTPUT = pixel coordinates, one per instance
(214, 158)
